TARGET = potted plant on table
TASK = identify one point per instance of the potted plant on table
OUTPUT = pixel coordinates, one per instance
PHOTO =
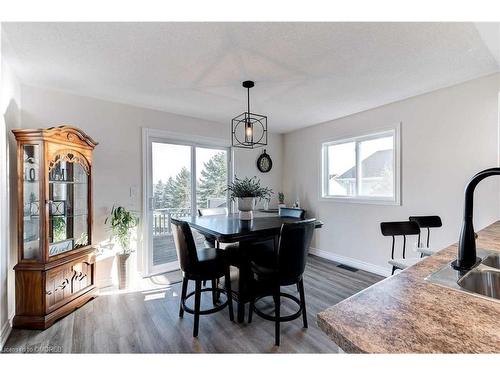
(122, 221)
(281, 200)
(245, 192)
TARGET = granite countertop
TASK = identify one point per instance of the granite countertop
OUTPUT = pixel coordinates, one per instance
(406, 314)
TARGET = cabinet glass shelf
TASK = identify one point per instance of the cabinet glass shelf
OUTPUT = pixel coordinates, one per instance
(68, 216)
(68, 182)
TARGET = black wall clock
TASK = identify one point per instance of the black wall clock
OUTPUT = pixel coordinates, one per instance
(264, 162)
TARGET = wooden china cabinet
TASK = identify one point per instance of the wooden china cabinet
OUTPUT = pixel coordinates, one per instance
(56, 261)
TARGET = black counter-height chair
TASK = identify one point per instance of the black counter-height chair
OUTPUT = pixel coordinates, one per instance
(200, 265)
(231, 249)
(285, 268)
(210, 241)
(265, 246)
(400, 228)
(426, 222)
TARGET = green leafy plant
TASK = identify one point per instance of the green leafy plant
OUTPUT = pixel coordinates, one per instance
(122, 221)
(281, 198)
(248, 187)
(59, 228)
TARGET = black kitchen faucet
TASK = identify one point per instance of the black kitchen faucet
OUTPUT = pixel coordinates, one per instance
(467, 258)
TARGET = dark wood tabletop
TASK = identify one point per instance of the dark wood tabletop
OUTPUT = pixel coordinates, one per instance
(229, 228)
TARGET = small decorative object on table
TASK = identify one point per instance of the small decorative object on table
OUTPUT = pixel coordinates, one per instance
(266, 204)
(281, 200)
(245, 192)
(122, 221)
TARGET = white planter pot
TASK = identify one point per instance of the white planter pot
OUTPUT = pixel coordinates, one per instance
(245, 207)
(122, 266)
(103, 270)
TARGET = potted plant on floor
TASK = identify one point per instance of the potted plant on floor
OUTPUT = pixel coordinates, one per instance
(122, 221)
(245, 192)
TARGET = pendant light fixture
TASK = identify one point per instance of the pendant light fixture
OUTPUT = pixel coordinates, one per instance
(249, 130)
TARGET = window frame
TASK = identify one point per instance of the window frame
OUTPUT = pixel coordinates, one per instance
(394, 131)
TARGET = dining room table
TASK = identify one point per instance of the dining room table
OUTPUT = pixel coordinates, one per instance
(230, 229)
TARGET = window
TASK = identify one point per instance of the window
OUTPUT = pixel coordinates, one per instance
(363, 168)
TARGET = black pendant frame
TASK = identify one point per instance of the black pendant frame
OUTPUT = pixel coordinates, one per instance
(252, 120)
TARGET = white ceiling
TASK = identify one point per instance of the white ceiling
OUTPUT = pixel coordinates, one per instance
(305, 73)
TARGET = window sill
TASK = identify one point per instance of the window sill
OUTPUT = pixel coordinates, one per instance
(360, 200)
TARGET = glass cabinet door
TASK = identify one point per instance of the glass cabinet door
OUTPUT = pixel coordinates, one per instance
(31, 202)
(68, 207)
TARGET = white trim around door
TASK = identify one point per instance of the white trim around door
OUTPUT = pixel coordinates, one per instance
(161, 136)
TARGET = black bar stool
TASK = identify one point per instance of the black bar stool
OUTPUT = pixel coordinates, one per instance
(286, 267)
(400, 228)
(210, 241)
(200, 265)
(426, 222)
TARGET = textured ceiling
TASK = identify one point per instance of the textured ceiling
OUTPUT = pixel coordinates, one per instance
(305, 73)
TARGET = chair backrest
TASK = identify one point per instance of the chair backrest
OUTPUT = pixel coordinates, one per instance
(297, 213)
(184, 245)
(427, 222)
(295, 239)
(212, 211)
(399, 228)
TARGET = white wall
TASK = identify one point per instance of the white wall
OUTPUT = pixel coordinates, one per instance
(118, 157)
(10, 103)
(245, 165)
(447, 136)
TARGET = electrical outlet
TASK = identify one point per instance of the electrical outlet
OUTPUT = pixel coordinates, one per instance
(133, 192)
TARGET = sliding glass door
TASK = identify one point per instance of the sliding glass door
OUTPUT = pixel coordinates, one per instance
(181, 177)
(211, 177)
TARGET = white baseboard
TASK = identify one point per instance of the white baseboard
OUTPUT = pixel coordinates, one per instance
(356, 263)
(4, 333)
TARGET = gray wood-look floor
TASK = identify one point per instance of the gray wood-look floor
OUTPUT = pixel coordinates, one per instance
(148, 322)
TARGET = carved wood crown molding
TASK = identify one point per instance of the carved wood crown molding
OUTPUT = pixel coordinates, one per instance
(71, 156)
(71, 134)
(64, 133)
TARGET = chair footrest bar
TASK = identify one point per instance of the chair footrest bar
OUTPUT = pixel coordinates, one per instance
(285, 318)
(208, 311)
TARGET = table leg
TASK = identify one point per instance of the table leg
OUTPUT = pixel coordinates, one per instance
(243, 281)
(241, 312)
(216, 295)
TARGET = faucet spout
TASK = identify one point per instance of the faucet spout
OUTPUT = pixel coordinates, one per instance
(467, 258)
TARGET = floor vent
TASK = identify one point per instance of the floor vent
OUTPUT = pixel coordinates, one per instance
(343, 266)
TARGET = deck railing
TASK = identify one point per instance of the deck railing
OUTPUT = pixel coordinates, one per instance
(162, 218)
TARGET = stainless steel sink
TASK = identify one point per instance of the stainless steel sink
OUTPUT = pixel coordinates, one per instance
(482, 281)
(492, 260)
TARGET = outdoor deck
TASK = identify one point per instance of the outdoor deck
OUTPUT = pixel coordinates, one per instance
(164, 247)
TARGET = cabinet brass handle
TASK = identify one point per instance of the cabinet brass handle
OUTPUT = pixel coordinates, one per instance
(63, 285)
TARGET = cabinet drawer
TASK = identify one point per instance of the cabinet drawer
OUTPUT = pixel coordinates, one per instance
(66, 281)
